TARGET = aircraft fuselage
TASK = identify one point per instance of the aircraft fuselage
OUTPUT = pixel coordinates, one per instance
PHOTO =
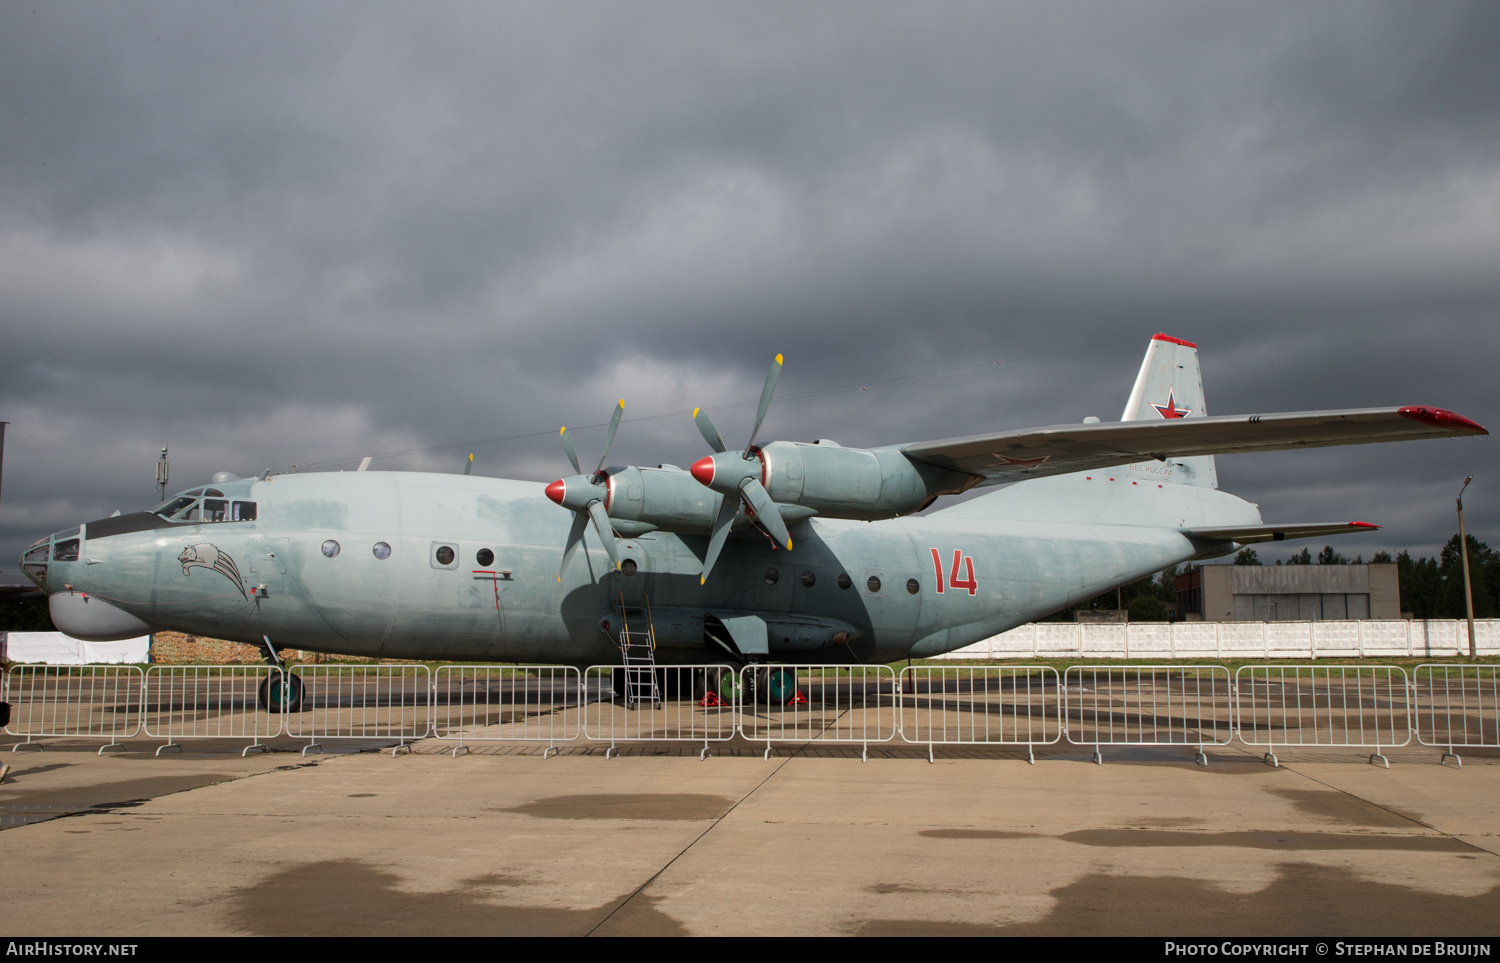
(450, 567)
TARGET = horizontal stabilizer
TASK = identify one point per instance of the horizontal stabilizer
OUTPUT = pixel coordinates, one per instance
(1246, 534)
(1034, 452)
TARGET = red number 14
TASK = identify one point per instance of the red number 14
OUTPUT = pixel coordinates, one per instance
(953, 580)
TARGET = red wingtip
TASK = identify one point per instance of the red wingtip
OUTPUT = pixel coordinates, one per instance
(703, 470)
(1168, 337)
(1363, 525)
(1440, 418)
(555, 491)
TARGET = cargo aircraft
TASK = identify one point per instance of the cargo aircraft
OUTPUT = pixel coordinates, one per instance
(762, 554)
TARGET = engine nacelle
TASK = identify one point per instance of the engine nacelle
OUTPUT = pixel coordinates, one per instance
(641, 500)
(860, 483)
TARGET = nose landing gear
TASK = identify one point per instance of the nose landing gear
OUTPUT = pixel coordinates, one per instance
(281, 692)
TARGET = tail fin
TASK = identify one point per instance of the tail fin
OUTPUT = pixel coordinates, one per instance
(1171, 386)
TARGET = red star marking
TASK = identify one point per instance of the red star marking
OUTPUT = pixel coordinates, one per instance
(1170, 409)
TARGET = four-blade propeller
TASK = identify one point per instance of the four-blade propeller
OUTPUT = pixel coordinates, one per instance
(739, 476)
(585, 495)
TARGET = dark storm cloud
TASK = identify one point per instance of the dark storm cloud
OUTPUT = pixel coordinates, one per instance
(281, 234)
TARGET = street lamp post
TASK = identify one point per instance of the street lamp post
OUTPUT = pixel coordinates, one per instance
(1463, 547)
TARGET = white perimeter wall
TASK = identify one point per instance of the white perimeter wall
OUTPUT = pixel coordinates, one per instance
(1431, 639)
(54, 648)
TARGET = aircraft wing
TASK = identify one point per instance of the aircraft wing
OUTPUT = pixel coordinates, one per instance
(1030, 453)
(1246, 534)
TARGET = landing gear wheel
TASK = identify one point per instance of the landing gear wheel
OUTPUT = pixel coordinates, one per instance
(722, 681)
(777, 687)
(281, 693)
(781, 688)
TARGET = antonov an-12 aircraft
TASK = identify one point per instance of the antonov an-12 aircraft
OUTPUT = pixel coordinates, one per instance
(763, 554)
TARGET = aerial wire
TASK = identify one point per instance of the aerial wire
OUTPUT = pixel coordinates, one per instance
(1027, 361)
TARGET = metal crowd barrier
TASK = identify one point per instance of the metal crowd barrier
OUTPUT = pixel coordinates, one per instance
(980, 705)
(676, 707)
(501, 703)
(1456, 707)
(818, 703)
(211, 702)
(358, 702)
(1148, 705)
(1365, 706)
(78, 701)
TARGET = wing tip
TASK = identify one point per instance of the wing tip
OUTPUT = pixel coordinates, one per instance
(1442, 418)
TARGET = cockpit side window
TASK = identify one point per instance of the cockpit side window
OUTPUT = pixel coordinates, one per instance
(213, 507)
(65, 551)
(176, 508)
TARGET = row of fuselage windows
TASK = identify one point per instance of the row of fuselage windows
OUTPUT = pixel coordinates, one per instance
(446, 554)
(443, 554)
(872, 584)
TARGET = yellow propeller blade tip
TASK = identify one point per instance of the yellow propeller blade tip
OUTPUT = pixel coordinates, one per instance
(622, 402)
(563, 430)
(702, 579)
(695, 412)
(789, 545)
(778, 359)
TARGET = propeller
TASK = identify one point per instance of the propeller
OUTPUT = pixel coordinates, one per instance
(584, 495)
(737, 476)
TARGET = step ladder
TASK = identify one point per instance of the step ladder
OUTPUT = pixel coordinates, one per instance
(637, 642)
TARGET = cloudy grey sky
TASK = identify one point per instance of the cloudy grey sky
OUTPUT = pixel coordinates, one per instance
(276, 234)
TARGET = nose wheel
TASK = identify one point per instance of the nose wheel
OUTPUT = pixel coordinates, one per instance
(281, 692)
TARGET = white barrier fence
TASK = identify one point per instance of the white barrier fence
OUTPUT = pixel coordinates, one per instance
(501, 703)
(1009, 705)
(1387, 639)
(1456, 707)
(1148, 705)
(211, 702)
(689, 703)
(358, 702)
(1270, 706)
(818, 704)
(1360, 706)
(88, 701)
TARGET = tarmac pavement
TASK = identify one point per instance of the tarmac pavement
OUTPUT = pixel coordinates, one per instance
(812, 842)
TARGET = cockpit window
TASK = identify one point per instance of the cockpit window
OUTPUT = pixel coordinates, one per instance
(213, 507)
(65, 551)
(178, 506)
